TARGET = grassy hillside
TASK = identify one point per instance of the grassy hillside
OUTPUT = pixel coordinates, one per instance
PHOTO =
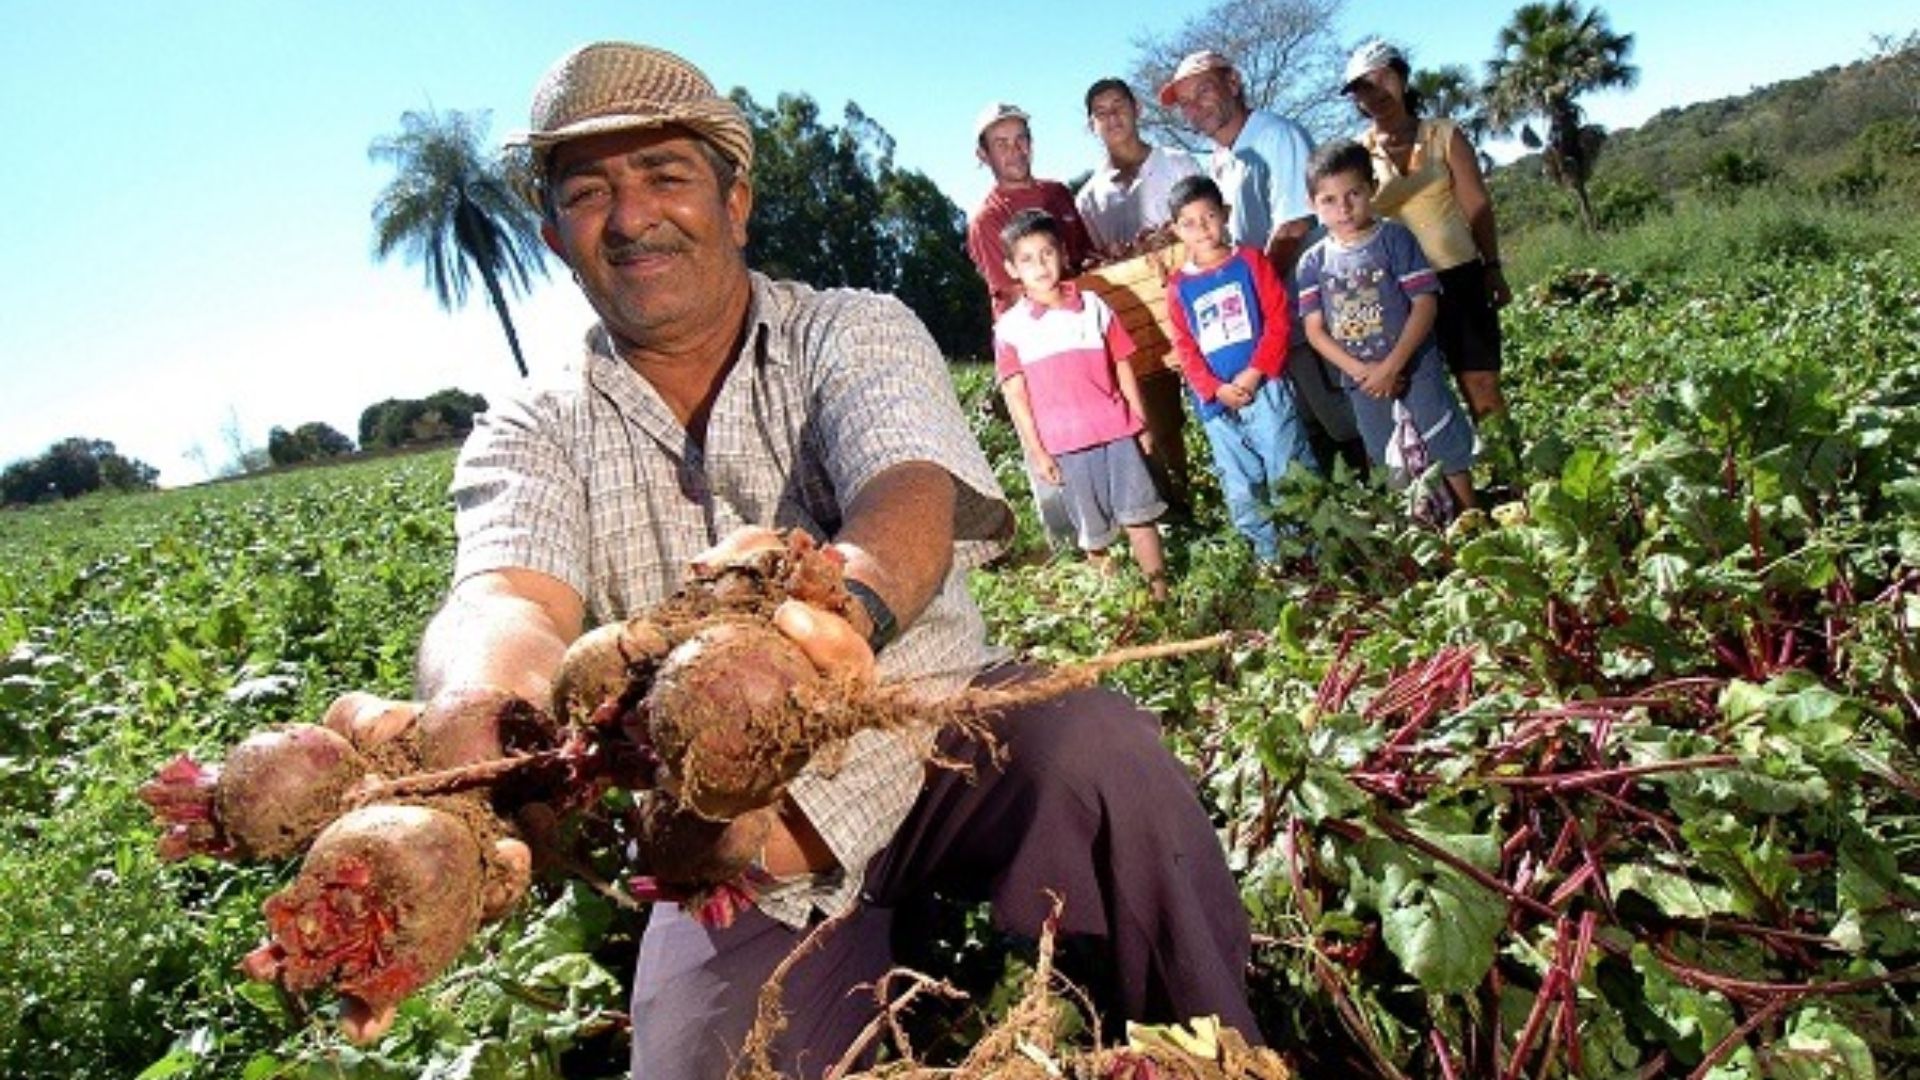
(1847, 138)
(1807, 127)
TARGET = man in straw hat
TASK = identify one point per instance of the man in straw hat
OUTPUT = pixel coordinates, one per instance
(712, 405)
(1260, 162)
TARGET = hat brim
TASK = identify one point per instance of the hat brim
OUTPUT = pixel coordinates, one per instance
(726, 131)
(1166, 95)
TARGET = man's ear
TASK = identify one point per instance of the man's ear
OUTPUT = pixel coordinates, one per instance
(552, 236)
(739, 209)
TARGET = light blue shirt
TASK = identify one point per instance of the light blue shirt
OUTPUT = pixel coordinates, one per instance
(1264, 177)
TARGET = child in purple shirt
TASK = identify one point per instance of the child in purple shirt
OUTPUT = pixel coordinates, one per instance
(1368, 298)
(1061, 358)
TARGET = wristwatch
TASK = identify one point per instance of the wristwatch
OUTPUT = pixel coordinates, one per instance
(885, 627)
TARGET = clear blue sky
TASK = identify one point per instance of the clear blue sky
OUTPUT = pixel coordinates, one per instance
(184, 252)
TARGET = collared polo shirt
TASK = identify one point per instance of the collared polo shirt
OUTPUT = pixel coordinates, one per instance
(1068, 355)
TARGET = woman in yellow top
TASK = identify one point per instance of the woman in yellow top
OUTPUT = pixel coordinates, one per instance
(1428, 178)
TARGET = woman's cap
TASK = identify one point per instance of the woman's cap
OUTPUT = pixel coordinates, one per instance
(1369, 58)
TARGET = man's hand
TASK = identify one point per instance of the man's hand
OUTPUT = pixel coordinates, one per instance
(788, 843)
(836, 648)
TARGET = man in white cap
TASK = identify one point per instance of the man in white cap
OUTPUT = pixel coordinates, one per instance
(711, 406)
(1260, 162)
(1004, 144)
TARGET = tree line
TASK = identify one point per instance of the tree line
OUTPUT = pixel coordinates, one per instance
(80, 466)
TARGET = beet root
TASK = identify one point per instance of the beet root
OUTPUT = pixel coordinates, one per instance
(683, 850)
(729, 716)
(387, 897)
(711, 869)
(602, 667)
(280, 787)
(276, 790)
(471, 724)
(181, 798)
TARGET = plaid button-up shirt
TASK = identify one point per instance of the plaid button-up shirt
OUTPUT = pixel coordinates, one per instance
(593, 481)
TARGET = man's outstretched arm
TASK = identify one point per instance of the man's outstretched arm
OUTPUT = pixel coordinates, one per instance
(502, 628)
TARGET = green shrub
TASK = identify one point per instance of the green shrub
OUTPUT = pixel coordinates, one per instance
(1627, 201)
(1731, 171)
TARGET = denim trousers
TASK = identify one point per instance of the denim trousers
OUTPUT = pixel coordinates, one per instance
(1252, 448)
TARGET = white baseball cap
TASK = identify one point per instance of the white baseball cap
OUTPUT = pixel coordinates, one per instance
(995, 113)
(1368, 58)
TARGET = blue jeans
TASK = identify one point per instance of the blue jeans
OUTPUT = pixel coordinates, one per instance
(1252, 449)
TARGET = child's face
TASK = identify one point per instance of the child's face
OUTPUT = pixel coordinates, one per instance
(1202, 226)
(1344, 203)
(1035, 262)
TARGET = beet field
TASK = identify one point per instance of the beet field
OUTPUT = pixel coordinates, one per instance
(1621, 781)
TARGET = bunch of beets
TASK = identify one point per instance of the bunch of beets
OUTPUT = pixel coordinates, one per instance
(415, 819)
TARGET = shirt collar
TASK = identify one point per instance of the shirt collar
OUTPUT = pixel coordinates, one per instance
(766, 308)
(1070, 300)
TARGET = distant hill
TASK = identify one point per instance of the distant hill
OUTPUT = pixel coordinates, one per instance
(1850, 131)
(1804, 127)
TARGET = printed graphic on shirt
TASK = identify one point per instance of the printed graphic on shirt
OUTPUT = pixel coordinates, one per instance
(1356, 312)
(1222, 318)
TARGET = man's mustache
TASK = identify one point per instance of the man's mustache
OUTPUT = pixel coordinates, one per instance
(637, 249)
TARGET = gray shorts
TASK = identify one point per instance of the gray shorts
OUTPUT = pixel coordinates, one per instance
(1108, 488)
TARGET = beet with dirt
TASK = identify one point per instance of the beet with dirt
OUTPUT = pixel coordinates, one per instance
(699, 702)
(386, 898)
(274, 792)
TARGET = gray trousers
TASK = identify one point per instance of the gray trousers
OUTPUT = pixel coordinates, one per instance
(1089, 804)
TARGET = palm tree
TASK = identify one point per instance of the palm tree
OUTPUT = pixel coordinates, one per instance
(453, 209)
(1550, 54)
(1448, 92)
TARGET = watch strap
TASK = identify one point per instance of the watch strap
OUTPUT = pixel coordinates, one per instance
(885, 627)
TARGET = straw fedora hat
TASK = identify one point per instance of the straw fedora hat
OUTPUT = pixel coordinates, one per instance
(614, 86)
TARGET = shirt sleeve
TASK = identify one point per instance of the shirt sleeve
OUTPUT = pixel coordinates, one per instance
(1409, 262)
(519, 503)
(1306, 279)
(1006, 360)
(879, 396)
(1193, 362)
(1276, 320)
